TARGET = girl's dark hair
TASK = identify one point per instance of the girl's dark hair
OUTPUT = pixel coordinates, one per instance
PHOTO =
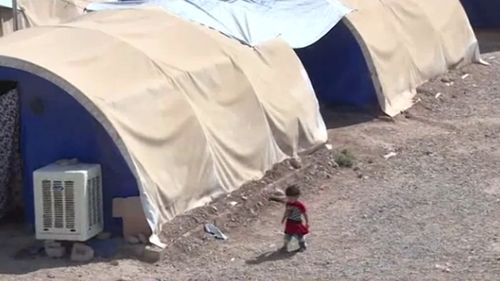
(292, 190)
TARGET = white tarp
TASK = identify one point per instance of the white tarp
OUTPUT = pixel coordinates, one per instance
(299, 22)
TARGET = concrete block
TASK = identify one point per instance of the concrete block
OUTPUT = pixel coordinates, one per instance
(81, 253)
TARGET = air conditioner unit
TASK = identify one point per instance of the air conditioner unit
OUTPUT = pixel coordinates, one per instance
(68, 201)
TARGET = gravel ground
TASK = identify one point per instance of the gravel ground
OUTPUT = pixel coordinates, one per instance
(431, 212)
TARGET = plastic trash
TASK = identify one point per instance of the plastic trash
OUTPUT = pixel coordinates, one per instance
(215, 231)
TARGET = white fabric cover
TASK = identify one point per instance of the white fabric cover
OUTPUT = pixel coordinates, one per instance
(408, 42)
(195, 113)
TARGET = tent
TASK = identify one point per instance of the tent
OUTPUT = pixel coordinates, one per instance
(483, 13)
(39, 12)
(381, 50)
(175, 112)
(384, 50)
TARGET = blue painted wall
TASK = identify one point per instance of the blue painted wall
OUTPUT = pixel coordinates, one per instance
(338, 70)
(56, 126)
(483, 13)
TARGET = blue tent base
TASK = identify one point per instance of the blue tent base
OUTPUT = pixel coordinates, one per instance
(55, 126)
(483, 13)
(338, 70)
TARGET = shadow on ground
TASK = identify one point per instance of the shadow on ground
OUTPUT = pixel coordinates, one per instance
(22, 254)
(342, 116)
(489, 40)
(271, 256)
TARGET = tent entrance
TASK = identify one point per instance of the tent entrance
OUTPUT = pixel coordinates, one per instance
(11, 186)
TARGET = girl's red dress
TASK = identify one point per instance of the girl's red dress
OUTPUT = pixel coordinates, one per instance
(294, 225)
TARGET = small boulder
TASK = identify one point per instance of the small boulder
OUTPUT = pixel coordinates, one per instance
(152, 254)
(132, 240)
(142, 238)
(81, 253)
(54, 249)
(296, 163)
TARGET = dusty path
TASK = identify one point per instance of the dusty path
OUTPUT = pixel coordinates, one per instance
(432, 212)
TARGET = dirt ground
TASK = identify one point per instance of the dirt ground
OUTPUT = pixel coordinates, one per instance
(431, 212)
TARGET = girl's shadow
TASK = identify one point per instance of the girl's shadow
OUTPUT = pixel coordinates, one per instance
(271, 256)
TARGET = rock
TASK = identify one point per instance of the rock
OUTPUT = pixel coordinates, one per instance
(142, 238)
(135, 250)
(51, 276)
(446, 80)
(54, 249)
(296, 163)
(278, 193)
(444, 268)
(81, 253)
(333, 164)
(152, 254)
(114, 263)
(103, 236)
(132, 240)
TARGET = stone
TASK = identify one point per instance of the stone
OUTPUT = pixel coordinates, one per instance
(132, 240)
(296, 163)
(103, 236)
(54, 249)
(81, 253)
(114, 263)
(142, 238)
(152, 253)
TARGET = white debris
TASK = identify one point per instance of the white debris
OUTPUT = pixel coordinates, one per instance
(233, 203)
(328, 146)
(390, 155)
(465, 76)
(444, 268)
(437, 95)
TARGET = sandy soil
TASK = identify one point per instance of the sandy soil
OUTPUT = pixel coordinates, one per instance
(429, 213)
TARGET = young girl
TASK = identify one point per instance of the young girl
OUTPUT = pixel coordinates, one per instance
(294, 212)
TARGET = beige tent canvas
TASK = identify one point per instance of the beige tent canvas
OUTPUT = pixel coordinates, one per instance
(406, 43)
(403, 42)
(191, 113)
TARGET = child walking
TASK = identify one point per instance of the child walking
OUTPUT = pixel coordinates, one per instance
(294, 211)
